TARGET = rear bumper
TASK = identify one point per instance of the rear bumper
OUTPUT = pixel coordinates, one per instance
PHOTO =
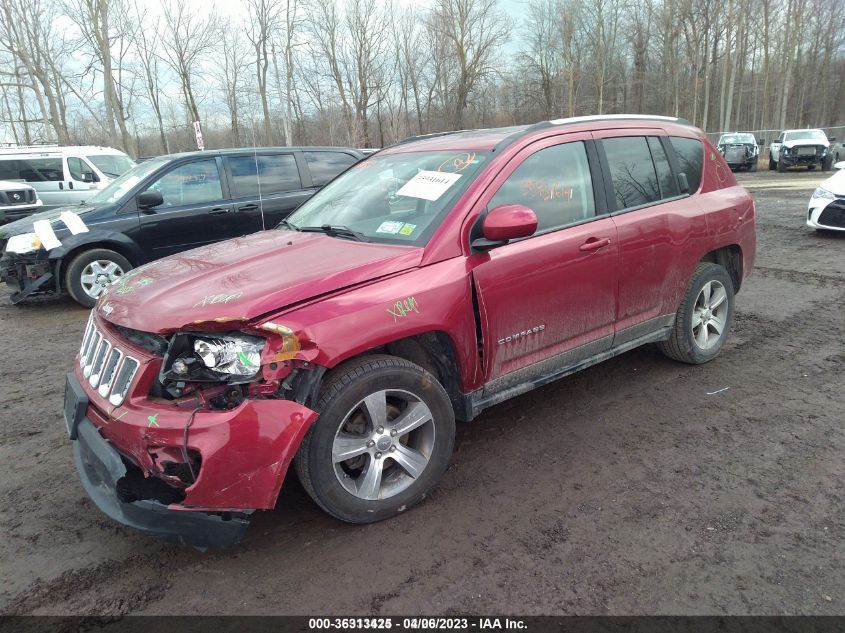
(101, 468)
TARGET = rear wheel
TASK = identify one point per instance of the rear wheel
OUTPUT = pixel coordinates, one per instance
(704, 318)
(383, 439)
(91, 271)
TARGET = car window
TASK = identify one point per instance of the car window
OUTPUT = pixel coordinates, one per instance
(665, 177)
(112, 165)
(192, 183)
(264, 173)
(555, 183)
(690, 153)
(326, 165)
(78, 168)
(632, 171)
(32, 169)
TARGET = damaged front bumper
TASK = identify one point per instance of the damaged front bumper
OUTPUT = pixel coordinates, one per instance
(101, 469)
(129, 459)
(28, 274)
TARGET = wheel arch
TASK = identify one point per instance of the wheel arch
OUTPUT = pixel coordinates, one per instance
(433, 350)
(730, 257)
(81, 242)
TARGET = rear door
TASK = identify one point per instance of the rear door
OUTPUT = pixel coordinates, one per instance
(660, 228)
(549, 300)
(196, 209)
(266, 187)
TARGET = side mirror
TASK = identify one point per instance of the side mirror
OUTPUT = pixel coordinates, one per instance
(505, 223)
(149, 199)
(839, 165)
(87, 177)
(831, 139)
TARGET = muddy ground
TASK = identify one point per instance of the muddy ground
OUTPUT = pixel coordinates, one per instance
(629, 488)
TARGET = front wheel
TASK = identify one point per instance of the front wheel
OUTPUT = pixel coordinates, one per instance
(772, 164)
(91, 271)
(781, 165)
(383, 439)
(704, 318)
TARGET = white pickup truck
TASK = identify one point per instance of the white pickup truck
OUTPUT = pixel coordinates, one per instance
(808, 148)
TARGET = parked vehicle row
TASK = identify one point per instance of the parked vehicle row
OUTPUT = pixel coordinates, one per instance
(17, 200)
(432, 280)
(63, 175)
(740, 150)
(160, 207)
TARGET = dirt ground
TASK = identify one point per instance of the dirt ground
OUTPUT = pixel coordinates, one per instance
(639, 486)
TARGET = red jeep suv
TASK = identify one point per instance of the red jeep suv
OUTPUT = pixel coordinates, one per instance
(436, 278)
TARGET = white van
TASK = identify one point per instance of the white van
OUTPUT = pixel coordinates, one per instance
(63, 175)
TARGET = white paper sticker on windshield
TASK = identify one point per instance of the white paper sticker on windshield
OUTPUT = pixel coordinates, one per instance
(45, 233)
(428, 185)
(390, 227)
(73, 222)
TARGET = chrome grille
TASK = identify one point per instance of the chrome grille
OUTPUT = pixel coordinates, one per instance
(108, 369)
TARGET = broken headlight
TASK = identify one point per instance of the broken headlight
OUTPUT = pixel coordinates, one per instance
(230, 358)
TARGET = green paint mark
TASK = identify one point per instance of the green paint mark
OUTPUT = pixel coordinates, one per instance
(146, 281)
(123, 289)
(152, 419)
(245, 360)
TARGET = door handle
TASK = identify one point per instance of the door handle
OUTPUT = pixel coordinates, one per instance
(219, 211)
(248, 207)
(70, 185)
(594, 244)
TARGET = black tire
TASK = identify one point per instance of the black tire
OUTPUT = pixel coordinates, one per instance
(772, 164)
(827, 163)
(781, 165)
(73, 274)
(681, 345)
(811, 167)
(345, 388)
(753, 166)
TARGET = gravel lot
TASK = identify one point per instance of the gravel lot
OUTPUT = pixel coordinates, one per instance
(625, 489)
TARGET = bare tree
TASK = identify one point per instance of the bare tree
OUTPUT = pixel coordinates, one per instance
(474, 31)
(188, 37)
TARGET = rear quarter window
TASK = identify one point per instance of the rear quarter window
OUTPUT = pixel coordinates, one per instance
(690, 153)
(324, 166)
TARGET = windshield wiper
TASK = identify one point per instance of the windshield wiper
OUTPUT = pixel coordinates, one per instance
(336, 230)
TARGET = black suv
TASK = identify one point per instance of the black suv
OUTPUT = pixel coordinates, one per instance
(162, 206)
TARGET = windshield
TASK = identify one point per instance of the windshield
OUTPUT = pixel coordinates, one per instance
(815, 135)
(395, 198)
(736, 138)
(112, 165)
(116, 189)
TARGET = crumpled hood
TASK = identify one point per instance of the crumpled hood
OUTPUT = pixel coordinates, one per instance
(243, 278)
(805, 141)
(24, 225)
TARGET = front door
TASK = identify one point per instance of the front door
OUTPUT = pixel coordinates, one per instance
(549, 300)
(196, 211)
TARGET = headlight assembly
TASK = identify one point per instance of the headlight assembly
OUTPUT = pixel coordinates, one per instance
(23, 243)
(225, 358)
(821, 192)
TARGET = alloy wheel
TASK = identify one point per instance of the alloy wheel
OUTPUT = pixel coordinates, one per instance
(383, 444)
(710, 315)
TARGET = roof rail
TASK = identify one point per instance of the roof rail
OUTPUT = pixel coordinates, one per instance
(422, 137)
(615, 117)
